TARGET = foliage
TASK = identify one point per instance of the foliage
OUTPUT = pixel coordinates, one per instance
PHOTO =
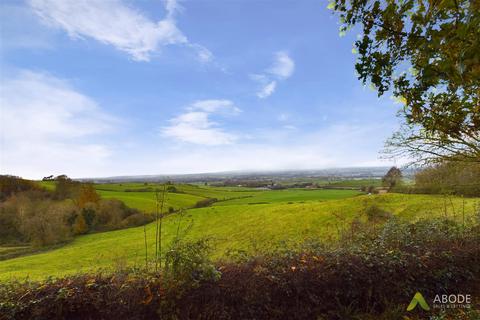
(11, 184)
(428, 54)
(376, 214)
(80, 226)
(449, 178)
(87, 194)
(190, 262)
(369, 189)
(173, 189)
(392, 178)
(65, 188)
(205, 203)
(31, 219)
(36, 218)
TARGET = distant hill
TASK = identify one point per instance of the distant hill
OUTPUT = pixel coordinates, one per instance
(331, 173)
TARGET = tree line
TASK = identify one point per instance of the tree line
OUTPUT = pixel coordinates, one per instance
(31, 214)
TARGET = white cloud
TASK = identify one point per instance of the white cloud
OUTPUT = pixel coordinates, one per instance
(203, 54)
(282, 68)
(46, 126)
(114, 23)
(331, 146)
(214, 105)
(195, 126)
(267, 90)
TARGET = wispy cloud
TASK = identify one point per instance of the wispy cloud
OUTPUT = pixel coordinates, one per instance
(195, 125)
(331, 146)
(47, 125)
(267, 90)
(282, 68)
(114, 23)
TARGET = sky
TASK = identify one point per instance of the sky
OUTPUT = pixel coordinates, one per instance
(115, 87)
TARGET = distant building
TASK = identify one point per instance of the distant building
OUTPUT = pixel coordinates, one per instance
(381, 190)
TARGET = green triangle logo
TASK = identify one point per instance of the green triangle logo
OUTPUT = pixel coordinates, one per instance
(418, 299)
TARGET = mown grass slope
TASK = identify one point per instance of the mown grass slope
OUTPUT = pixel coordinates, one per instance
(236, 226)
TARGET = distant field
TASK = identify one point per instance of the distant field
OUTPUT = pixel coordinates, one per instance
(142, 196)
(337, 182)
(237, 226)
(146, 200)
(354, 183)
(290, 195)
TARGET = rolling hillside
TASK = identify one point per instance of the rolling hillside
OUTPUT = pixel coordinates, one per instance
(230, 226)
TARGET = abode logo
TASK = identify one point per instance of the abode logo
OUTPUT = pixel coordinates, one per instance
(441, 301)
(452, 301)
(418, 299)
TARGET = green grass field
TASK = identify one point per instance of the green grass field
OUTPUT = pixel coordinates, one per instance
(290, 195)
(188, 195)
(145, 201)
(231, 225)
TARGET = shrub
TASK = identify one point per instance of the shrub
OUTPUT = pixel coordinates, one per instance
(87, 194)
(10, 185)
(376, 214)
(173, 189)
(149, 189)
(111, 214)
(136, 219)
(66, 188)
(460, 178)
(89, 214)
(205, 202)
(25, 218)
(80, 226)
(189, 262)
(44, 222)
(32, 217)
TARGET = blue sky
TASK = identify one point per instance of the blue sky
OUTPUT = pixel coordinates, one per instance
(102, 88)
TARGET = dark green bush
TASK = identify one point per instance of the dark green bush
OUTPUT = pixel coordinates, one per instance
(136, 219)
(205, 202)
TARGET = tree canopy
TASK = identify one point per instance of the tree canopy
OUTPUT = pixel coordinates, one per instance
(427, 53)
(392, 178)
